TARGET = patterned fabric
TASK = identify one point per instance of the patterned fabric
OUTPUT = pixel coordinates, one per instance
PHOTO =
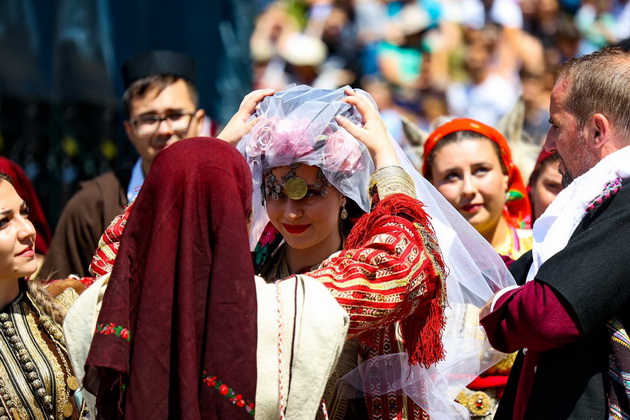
(619, 371)
(113, 329)
(389, 278)
(229, 393)
(391, 180)
(105, 254)
(268, 243)
(372, 283)
(340, 397)
(16, 393)
(610, 189)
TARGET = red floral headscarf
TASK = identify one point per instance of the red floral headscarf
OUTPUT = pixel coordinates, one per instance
(517, 209)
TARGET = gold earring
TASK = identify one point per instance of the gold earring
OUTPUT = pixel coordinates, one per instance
(344, 212)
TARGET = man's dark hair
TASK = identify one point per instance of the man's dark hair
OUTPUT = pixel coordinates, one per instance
(140, 87)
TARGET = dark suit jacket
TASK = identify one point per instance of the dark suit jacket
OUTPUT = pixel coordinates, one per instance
(83, 221)
(592, 274)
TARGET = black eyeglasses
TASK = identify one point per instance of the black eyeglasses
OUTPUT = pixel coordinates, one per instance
(146, 125)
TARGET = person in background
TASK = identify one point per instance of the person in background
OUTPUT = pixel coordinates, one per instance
(487, 94)
(470, 163)
(161, 104)
(545, 182)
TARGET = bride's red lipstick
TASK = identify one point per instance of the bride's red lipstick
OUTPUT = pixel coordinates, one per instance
(27, 252)
(295, 229)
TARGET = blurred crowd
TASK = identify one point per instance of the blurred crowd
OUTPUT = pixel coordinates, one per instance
(430, 58)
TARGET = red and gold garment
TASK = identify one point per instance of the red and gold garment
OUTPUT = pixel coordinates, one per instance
(389, 271)
(390, 279)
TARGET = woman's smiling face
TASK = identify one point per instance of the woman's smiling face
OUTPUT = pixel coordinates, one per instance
(468, 173)
(17, 235)
(312, 221)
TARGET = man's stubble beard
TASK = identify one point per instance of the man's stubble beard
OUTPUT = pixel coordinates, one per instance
(567, 178)
(583, 158)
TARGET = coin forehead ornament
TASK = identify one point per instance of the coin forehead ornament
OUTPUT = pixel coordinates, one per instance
(291, 185)
(296, 188)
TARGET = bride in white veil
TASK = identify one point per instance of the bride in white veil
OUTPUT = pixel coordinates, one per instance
(475, 273)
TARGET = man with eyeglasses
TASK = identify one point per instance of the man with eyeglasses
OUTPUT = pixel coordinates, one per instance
(161, 103)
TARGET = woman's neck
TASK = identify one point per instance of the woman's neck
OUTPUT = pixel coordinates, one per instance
(497, 236)
(298, 259)
(9, 290)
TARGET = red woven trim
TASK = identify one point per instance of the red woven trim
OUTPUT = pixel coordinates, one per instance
(421, 330)
(105, 254)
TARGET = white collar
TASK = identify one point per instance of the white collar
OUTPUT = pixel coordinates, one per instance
(556, 225)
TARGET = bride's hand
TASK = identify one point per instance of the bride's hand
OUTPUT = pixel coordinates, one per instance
(238, 126)
(373, 133)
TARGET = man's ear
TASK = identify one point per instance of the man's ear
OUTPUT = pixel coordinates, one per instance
(129, 130)
(199, 116)
(599, 130)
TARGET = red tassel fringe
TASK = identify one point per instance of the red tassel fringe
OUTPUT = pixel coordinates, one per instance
(422, 330)
(422, 334)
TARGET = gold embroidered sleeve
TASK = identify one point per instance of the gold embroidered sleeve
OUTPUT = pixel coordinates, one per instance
(391, 180)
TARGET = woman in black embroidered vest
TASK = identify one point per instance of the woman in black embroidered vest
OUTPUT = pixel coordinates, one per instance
(36, 379)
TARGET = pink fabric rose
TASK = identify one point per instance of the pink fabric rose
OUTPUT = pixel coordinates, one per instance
(293, 137)
(342, 153)
(261, 137)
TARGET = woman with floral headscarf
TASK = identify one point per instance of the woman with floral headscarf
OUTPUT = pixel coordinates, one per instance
(313, 176)
(339, 207)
